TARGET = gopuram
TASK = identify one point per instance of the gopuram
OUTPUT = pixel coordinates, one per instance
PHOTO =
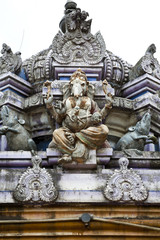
(79, 140)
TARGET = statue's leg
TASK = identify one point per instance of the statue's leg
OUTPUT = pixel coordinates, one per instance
(63, 140)
(66, 158)
(81, 152)
(93, 137)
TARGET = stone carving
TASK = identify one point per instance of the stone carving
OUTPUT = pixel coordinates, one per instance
(34, 100)
(137, 136)
(125, 184)
(80, 117)
(116, 71)
(147, 64)
(9, 61)
(75, 43)
(123, 103)
(18, 138)
(35, 184)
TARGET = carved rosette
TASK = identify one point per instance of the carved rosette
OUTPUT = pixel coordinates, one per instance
(35, 184)
(125, 184)
(67, 49)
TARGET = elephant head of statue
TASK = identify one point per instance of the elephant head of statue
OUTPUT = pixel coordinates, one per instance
(78, 86)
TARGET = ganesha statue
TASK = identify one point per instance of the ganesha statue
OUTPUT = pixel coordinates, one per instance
(80, 117)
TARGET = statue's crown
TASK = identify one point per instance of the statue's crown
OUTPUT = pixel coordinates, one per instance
(78, 73)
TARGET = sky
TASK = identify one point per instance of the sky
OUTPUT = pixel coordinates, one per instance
(127, 26)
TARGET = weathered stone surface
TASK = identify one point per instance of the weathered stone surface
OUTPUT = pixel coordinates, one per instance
(147, 64)
(137, 136)
(125, 184)
(10, 62)
(35, 184)
(140, 86)
(15, 83)
(75, 46)
(80, 187)
(18, 138)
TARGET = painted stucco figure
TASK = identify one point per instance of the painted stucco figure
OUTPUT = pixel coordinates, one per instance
(9, 61)
(18, 138)
(80, 117)
(137, 136)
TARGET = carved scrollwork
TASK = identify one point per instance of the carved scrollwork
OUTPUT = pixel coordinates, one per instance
(123, 103)
(125, 184)
(78, 49)
(35, 184)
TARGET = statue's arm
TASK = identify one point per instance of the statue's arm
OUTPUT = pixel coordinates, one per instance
(104, 111)
(5, 129)
(141, 137)
(107, 107)
(56, 113)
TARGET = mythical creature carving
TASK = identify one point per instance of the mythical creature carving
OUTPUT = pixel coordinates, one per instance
(35, 184)
(125, 184)
(9, 61)
(76, 43)
(18, 138)
(80, 117)
(147, 64)
(137, 136)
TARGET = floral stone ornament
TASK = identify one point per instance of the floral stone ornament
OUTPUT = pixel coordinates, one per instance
(35, 184)
(125, 184)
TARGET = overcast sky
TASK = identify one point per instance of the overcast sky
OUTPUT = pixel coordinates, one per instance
(127, 26)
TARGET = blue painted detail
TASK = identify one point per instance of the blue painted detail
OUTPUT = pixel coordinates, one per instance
(138, 95)
(92, 79)
(12, 90)
(64, 78)
(22, 74)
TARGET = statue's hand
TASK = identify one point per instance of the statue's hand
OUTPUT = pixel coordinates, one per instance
(60, 107)
(96, 118)
(49, 100)
(58, 104)
(70, 137)
(109, 101)
(4, 129)
(152, 138)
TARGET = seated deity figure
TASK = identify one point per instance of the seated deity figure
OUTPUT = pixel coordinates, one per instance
(81, 119)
